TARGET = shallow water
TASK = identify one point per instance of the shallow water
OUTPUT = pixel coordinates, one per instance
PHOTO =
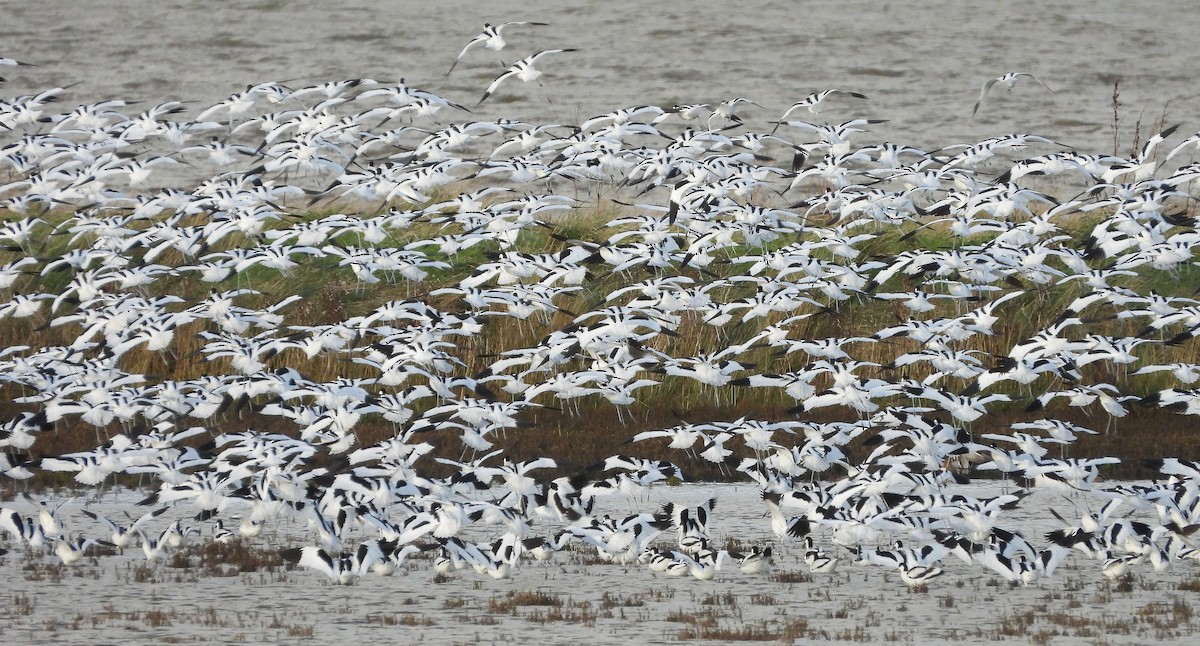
(920, 76)
(121, 598)
(922, 66)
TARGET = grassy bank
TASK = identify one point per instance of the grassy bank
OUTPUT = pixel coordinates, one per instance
(580, 433)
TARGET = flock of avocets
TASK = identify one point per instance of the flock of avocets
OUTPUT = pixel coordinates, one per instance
(739, 234)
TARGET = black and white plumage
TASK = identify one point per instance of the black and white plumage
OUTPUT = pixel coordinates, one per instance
(818, 560)
(22, 528)
(339, 569)
(691, 524)
(783, 527)
(814, 101)
(492, 37)
(523, 69)
(719, 252)
(1008, 80)
(122, 536)
(758, 560)
(704, 565)
(70, 551)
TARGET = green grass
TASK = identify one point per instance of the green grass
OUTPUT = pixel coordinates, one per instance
(586, 431)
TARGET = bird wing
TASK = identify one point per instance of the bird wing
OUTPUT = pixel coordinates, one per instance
(368, 554)
(103, 519)
(501, 26)
(496, 83)
(533, 59)
(312, 557)
(482, 37)
(11, 522)
(1039, 81)
(987, 86)
(145, 517)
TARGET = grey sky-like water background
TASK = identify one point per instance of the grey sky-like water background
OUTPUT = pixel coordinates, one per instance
(921, 64)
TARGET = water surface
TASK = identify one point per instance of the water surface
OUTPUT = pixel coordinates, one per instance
(921, 64)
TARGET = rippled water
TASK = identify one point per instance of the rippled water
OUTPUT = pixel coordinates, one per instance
(921, 75)
(122, 598)
(921, 65)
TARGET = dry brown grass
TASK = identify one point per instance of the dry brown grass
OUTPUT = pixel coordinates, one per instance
(711, 625)
(228, 558)
(580, 615)
(512, 600)
(609, 600)
(584, 432)
(401, 619)
(790, 576)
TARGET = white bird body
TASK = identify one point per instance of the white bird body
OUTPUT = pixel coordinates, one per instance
(69, 551)
(523, 69)
(1008, 80)
(123, 537)
(492, 37)
(339, 571)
